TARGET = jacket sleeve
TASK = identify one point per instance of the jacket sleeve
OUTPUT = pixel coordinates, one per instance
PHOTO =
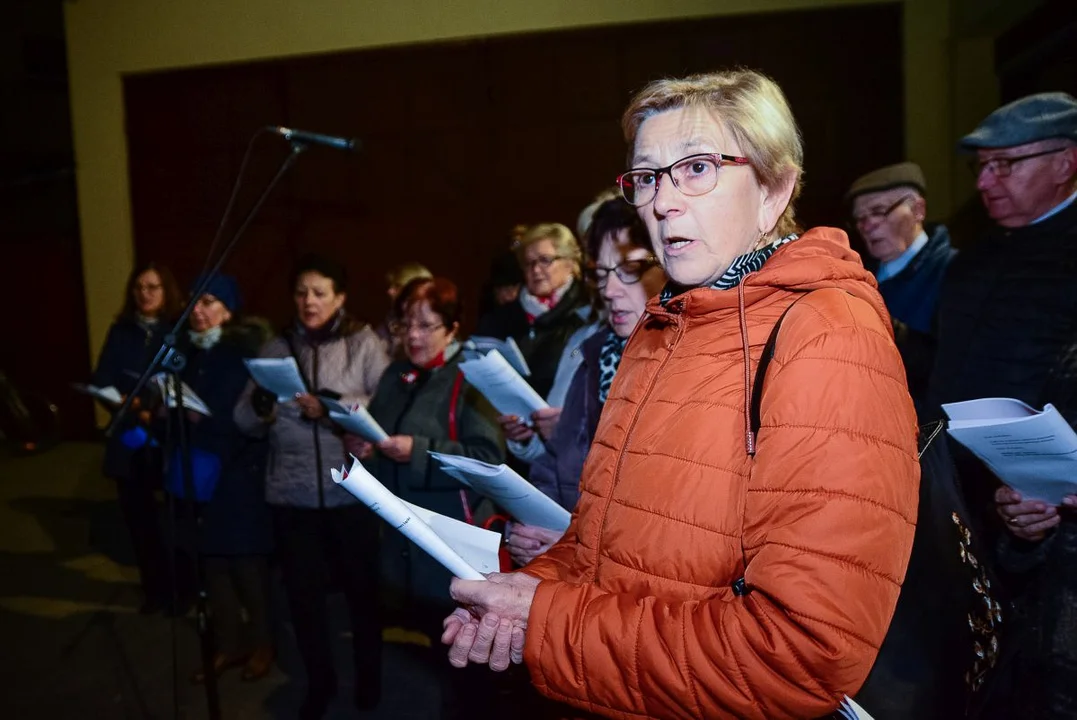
(109, 363)
(529, 451)
(479, 438)
(828, 525)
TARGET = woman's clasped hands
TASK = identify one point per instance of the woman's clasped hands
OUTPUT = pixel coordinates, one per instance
(490, 626)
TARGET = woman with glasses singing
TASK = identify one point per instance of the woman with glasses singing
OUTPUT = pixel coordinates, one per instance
(151, 302)
(424, 404)
(711, 571)
(626, 274)
(552, 305)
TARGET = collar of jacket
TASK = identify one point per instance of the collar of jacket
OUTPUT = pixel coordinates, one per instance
(820, 258)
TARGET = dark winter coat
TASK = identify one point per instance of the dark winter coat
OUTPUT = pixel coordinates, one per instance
(557, 472)
(417, 403)
(1008, 310)
(912, 295)
(128, 348)
(1045, 619)
(543, 341)
(236, 520)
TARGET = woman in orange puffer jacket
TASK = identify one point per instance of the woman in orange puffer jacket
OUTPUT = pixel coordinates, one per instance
(707, 572)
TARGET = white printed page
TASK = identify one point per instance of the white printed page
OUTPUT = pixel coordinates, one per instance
(279, 376)
(508, 349)
(987, 410)
(1035, 455)
(406, 520)
(506, 489)
(502, 386)
(191, 401)
(106, 394)
(356, 420)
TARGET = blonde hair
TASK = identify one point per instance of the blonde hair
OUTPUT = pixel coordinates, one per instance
(401, 275)
(564, 243)
(751, 107)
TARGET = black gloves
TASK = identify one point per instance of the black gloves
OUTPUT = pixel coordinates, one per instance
(263, 402)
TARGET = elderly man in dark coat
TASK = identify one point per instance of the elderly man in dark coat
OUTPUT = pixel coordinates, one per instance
(1007, 315)
(908, 256)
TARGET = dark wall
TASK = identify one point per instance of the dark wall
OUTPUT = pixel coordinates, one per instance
(463, 140)
(45, 344)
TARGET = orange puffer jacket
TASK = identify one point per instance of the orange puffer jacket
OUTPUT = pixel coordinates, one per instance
(636, 617)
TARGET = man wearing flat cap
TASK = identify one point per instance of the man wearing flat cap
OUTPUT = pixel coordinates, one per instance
(1007, 328)
(909, 258)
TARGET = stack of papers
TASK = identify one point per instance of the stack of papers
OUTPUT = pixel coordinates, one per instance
(277, 375)
(506, 489)
(467, 551)
(506, 390)
(191, 401)
(108, 394)
(355, 420)
(478, 345)
(1032, 451)
(850, 710)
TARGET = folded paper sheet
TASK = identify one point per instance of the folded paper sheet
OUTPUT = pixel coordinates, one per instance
(479, 345)
(1032, 451)
(506, 489)
(502, 386)
(467, 551)
(279, 376)
(355, 420)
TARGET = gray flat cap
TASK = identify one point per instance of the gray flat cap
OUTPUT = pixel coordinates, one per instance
(906, 174)
(1032, 118)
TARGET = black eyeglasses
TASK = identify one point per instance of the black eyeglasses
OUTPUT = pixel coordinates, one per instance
(693, 175)
(1003, 166)
(542, 261)
(878, 213)
(629, 272)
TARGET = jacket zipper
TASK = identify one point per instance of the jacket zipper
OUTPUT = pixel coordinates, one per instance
(679, 324)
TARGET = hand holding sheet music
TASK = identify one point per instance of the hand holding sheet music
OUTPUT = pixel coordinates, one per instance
(191, 401)
(1032, 451)
(506, 489)
(467, 551)
(502, 386)
(356, 420)
(277, 375)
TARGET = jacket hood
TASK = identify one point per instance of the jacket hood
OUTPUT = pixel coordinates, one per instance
(820, 258)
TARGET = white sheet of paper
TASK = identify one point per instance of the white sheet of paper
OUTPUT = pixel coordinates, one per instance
(502, 386)
(1034, 452)
(506, 489)
(851, 710)
(277, 375)
(444, 541)
(191, 401)
(356, 420)
(508, 349)
(106, 394)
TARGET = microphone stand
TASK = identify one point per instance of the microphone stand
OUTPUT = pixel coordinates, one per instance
(172, 361)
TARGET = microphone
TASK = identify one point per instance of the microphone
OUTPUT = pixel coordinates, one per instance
(302, 136)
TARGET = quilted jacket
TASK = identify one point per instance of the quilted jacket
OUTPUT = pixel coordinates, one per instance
(637, 616)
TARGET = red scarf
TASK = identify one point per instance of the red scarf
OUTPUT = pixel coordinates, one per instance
(550, 301)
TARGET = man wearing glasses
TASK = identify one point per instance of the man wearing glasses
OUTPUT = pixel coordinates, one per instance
(1007, 315)
(909, 258)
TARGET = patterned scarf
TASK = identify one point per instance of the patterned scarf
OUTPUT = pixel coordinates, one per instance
(749, 262)
(608, 360)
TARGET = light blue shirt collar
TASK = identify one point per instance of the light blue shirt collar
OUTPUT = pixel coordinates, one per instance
(1056, 209)
(890, 268)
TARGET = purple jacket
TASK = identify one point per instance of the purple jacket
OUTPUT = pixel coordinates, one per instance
(557, 473)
